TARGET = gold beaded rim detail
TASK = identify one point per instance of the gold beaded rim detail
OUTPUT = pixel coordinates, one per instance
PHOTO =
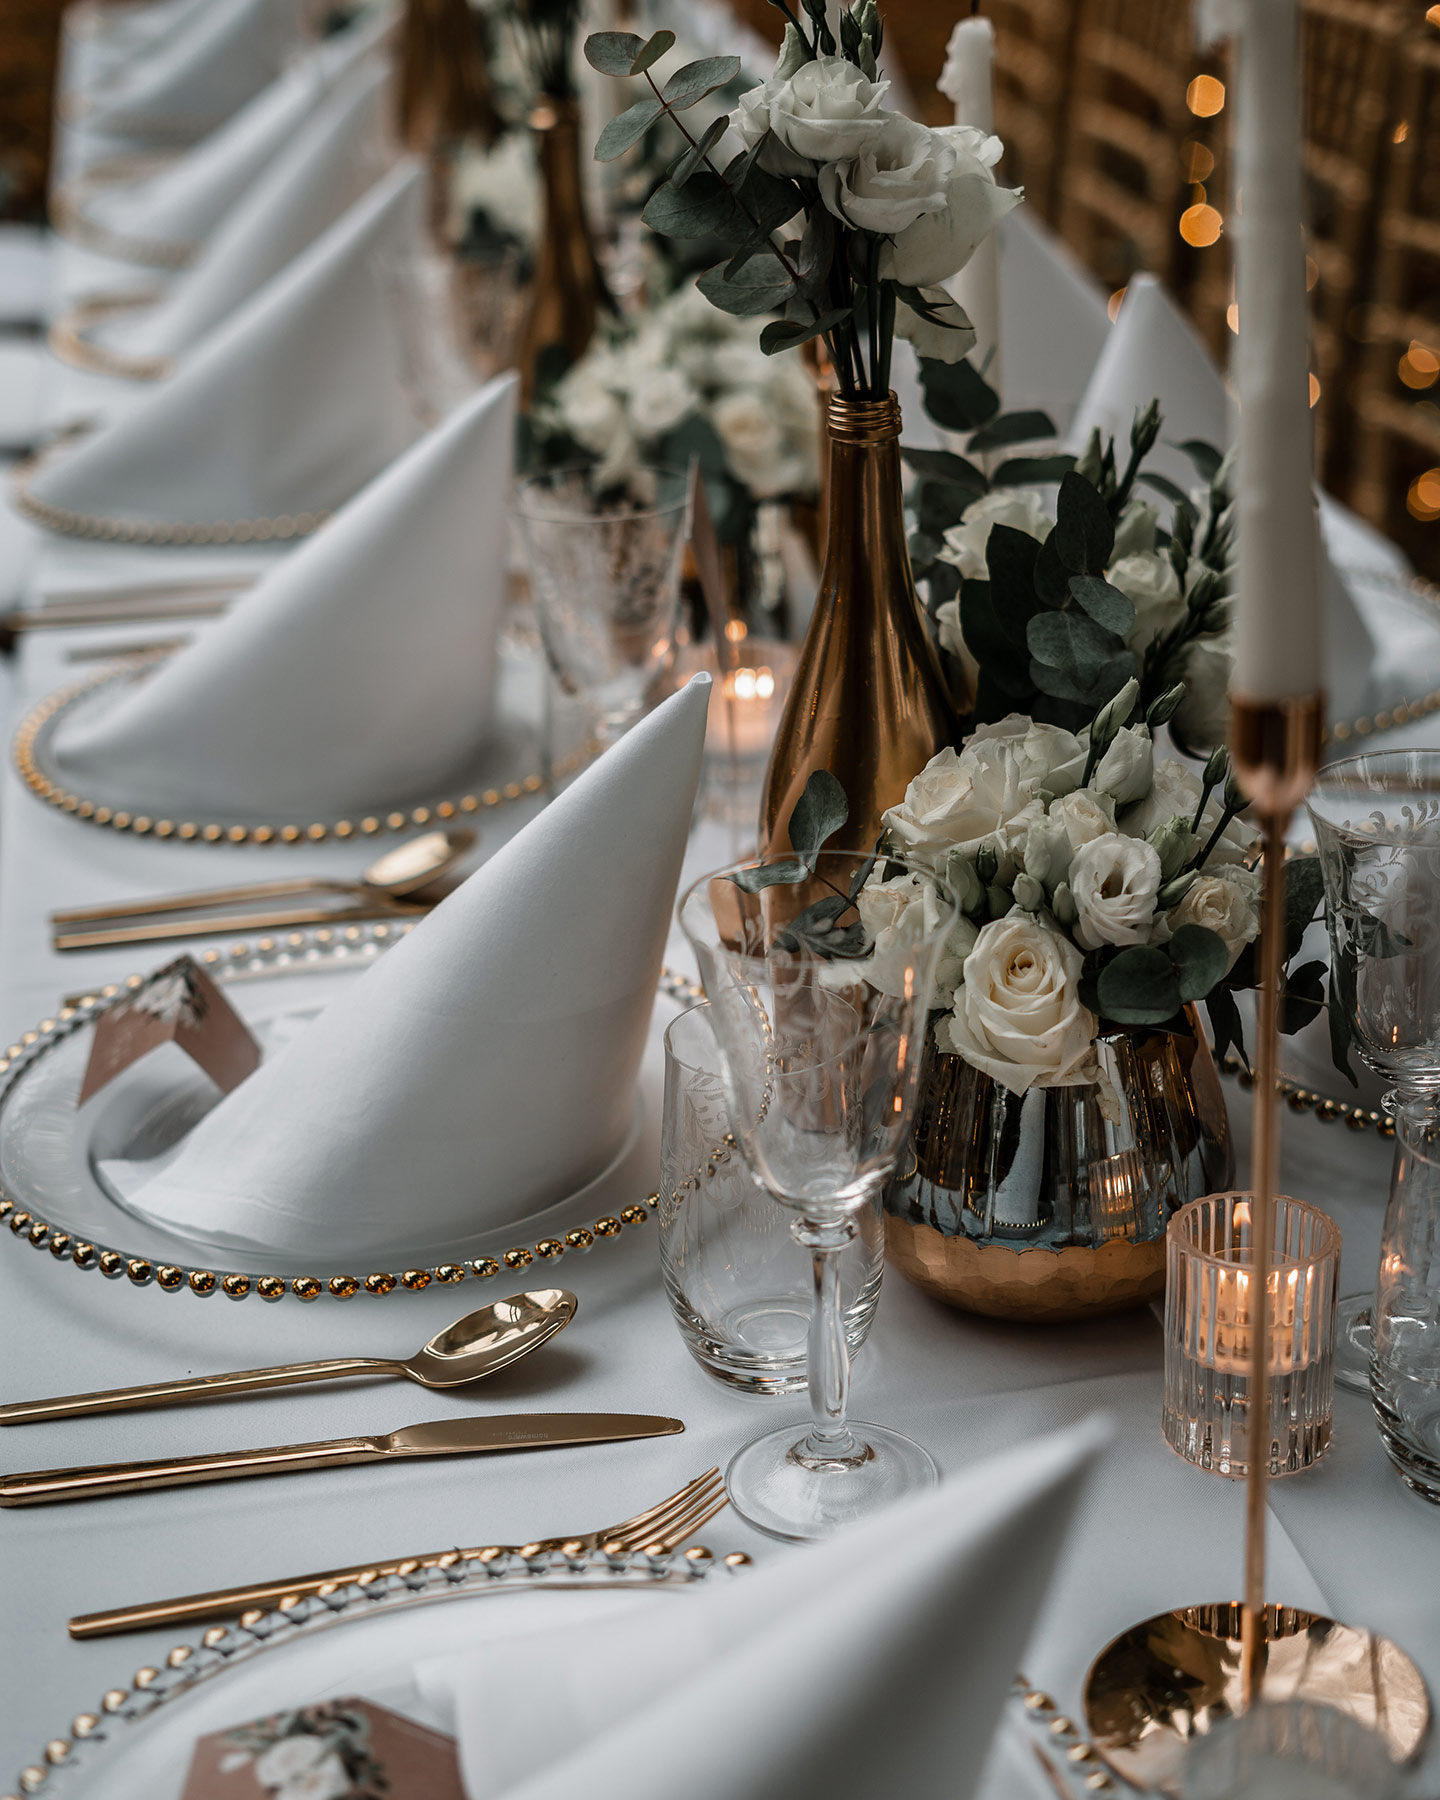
(1302, 1099)
(68, 339)
(70, 220)
(47, 712)
(308, 946)
(1404, 710)
(282, 529)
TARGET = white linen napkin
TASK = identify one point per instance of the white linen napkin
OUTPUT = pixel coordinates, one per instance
(484, 1068)
(331, 161)
(186, 202)
(877, 1664)
(198, 75)
(360, 673)
(287, 408)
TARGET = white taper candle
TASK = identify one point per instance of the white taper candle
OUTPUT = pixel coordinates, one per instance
(1279, 646)
(968, 80)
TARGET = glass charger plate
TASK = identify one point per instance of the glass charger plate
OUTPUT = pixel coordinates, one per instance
(508, 768)
(54, 1196)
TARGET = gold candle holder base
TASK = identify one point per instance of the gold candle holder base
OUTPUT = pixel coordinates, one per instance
(1174, 1677)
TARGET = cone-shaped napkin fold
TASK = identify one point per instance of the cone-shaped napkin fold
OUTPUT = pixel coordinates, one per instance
(485, 1067)
(877, 1664)
(170, 213)
(198, 76)
(330, 163)
(286, 410)
(1054, 318)
(358, 675)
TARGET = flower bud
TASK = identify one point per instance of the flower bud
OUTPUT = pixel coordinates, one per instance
(1062, 904)
(998, 900)
(1146, 429)
(1175, 891)
(1114, 713)
(964, 883)
(1162, 709)
(1218, 767)
(1029, 895)
(1173, 842)
(1091, 460)
(986, 863)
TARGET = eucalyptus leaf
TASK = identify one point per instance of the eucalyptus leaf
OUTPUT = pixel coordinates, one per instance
(1002, 664)
(1106, 605)
(1302, 997)
(1034, 471)
(1085, 696)
(1225, 1023)
(1071, 642)
(1161, 484)
(1010, 557)
(944, 466)
(772, 874)
(1304, 895)
(820, 812)
(695, 80)
(613, 52)
(1200, 960)
(763, 285)
(956, 395)
(1052, 579)
(699, 150)
(1084, 530)
(1140, 986)
(627, 128)
(1012, 428)
(1206, 458)
(658, 44)
(1340, 1036)
(789, 334)
(704, 207)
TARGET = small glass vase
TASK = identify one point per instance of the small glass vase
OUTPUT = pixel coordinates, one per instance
(569, 289)
(1405, 1341)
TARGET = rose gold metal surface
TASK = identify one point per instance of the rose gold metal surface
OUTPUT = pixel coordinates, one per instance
(569, 289)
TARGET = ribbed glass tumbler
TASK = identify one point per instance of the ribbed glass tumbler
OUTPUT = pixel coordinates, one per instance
(1208, 1334)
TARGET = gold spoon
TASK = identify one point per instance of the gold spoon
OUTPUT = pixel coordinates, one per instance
(479, 1344)
(404, 870)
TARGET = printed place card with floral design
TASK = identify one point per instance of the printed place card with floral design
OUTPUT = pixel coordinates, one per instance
(335, 1750)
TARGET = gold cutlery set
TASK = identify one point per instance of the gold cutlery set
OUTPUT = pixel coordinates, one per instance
(480, 1344)
(201, 597)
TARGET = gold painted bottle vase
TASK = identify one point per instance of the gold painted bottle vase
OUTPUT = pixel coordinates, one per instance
(869, 702)
(569, 289)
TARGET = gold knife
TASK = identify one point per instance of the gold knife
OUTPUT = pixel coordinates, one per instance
(219, 924)
(437, 1437)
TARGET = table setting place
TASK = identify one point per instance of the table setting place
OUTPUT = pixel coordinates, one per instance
(633, 714)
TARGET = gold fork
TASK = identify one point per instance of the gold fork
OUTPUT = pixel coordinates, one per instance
(662, 1527)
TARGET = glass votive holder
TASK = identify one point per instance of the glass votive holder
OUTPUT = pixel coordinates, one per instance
(1208, 1405)
(1289, 1750)
(738, 1283)
(745, 713)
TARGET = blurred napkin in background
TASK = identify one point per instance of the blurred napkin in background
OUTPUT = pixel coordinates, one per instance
(302, 396)
(877, 1664)
(484, 1068)
(360, 671)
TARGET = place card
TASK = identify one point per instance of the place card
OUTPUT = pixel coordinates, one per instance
(338, 1749)
(180, 1005)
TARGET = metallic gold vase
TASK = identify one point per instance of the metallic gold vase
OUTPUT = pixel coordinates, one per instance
(869, 702)
(569, 291)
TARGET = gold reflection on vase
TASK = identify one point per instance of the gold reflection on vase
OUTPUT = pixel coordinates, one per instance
(569, 289)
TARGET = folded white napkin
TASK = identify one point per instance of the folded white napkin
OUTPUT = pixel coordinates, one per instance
(877, 1664)
(329, 164)
(359, 674)
(186, 202)
(197, 75)
(288, 408)
(485, 1068)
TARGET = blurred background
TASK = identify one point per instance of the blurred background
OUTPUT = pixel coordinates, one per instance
(1116, 122)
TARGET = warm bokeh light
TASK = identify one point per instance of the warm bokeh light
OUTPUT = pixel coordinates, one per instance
(1419, 366)
(1432, 13)
(752, 684)
(1312, 273)
(1423, 500)
(1205, 96)
(1200, 225)
(736, 629)
(1401, 132)
(1232, 317)
(1314, 389)
(1114, 303)
(1199, 161)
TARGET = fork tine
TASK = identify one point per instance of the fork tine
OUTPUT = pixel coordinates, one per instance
(703, 1494)
(673, 1539)
(655, 1517)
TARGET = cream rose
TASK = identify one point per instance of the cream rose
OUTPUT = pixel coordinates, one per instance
(1114, 881)
(1175, 793)
(755, 445)
(1227, 903)
(660, 398)
(825, 112)
(897, 914)
(944, 238)
(1018, 1016)
(961, 801)
(964, 545)
(1047, 756)
(1152, 587)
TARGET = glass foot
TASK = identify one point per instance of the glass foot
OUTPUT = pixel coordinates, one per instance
(785, 1498)
(1352, 1342)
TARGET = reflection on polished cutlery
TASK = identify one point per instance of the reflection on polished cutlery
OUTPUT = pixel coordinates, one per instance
(162, 931)
(78, 599)
(108, 652)
(71, 610)
(435, 1437)
(664, 1526)
(482, 1343)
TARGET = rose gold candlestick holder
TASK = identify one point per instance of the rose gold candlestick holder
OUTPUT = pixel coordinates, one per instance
(1171, 1678)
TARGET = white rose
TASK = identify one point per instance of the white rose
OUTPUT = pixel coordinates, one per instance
(1227, 903)
(964, 545)
(328, 1780)
(593, 415)
(947, 626)
(826, 112)
(1126, 768)
(1049, 757)
(1018, 1016)
(1074, 819)
(1175, 793)
(1114, 880)
(755, 445)
(1134, 530)
(973, 798)
(288, 1758)
(1203, 716)
(892, 180)
(1152, 587)
(950, 342)
(897, 914)
(944, 238)
(660, 398)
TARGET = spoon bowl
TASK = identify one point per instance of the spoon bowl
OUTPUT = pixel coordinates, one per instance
(491, 1338)
(416, 863)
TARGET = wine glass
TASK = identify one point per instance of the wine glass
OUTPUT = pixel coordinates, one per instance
(1377, 829)
(821, 1027)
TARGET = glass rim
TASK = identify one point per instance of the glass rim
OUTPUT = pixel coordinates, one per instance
(1328, 1249)
(533, 483)
(673, 1055)
(949, 901)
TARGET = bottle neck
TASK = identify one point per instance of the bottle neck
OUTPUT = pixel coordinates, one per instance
(864, 490)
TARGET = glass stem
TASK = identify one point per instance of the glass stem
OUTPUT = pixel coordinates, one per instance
(829, 1440)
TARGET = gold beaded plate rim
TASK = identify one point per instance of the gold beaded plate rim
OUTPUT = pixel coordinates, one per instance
(69, 339)
(70, 220)
(293, 952)
(64, 1763)
(31, 738)
(1415, 593)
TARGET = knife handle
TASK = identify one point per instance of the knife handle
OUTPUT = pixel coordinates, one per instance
(40, 1487)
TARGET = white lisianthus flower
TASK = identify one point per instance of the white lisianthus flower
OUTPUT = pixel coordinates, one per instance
(1018, 1016)
(964, 545)
(944, 238)
(1048, 756)
(287, 1758)
(1227, 903)
(1074, 819)
(892, 180)
(1114, 880)
(1134, 530)
(1151, 585)
(1175, 793)
(1126, 768)
(328, 1780)
(660, 398)
(947, 342)
(755, 445)
(825, 112)
(1203, 716)
(897, 914)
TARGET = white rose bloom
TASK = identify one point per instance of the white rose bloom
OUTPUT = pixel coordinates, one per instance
(1049, 756)
(1175, 793)
(950, 342)
(1203, 716)
(1134, 530)
(1126, 769)
(328, 1780)
(1114, 880)
(966, 800)
(659, 399)
(897, 914)
(591, 414)
(1227, 903)
(288, 1758)
(1018, 1016)
(1151, 585)
(947, 626)
(1024, 508)
(944, 238)
(893, 179)
(826, 112)
(755, 445)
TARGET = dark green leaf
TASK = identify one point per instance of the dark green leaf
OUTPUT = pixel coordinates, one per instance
(704, 207)
(1200, 960)
(762, 286)
(1139, 987)
(1002, 665)
(817, 252)
(613, 52)
(1012, 428)
(659, 43)
(814, 928)
(1010, 560)
(819, 813)
(788, 334)
(1106, 605)
(1225, 1023)
(861, 876)
(1052, 579)
(1206, 457)
(1084, 530)
(1304, 895)
(771, 874)
(1302, 997)
(944, 466)
(1063, 685)
(697, 79)
(1162, 485)
(956, 395)
(1071, 642)
(1022, 471)
(699, 150)
(627, 128)
(1340, 1036)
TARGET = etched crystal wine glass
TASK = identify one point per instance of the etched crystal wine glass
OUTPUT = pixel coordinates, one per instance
(1377, 828)
(821, 1029)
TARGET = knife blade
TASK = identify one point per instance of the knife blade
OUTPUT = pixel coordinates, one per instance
(435, 1437)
